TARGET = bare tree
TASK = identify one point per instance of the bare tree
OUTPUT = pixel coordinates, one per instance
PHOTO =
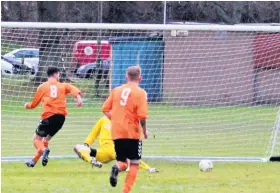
(5, 11)
(143, 12)
(263, 12)
(134, 12)
(49, 51)
(224, 12)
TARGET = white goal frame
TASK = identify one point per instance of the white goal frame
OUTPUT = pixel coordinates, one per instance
(170, 27)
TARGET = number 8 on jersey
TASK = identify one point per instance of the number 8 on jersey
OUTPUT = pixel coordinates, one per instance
(53, 90)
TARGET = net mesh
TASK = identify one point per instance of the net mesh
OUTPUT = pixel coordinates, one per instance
(210, 93)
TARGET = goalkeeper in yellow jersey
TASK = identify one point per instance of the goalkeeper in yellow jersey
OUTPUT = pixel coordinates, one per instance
(106, 151)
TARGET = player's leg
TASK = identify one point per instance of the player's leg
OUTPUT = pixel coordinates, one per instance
(46, 152)
(121, 157)
(39, 151)
(131, 175)
(38, 143)
(87, 154)
(55, 123)
(83, 152)
(46, 142)
(106, 153)
(135, 151)
(146, 167)
(143, 166)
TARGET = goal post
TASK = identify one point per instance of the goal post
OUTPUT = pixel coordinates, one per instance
(275, 142)
(213, 90)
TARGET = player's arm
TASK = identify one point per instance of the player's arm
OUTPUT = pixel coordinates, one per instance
(36, 99)
(142, 112)
(107, 106)
(75, 92)
(94, 133)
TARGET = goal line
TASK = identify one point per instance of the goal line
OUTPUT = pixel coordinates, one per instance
(163, 158)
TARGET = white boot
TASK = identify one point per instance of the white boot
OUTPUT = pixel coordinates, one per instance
(96, 163)
(153, 170)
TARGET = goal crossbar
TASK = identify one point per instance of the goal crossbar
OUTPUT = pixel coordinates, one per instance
(202, 27)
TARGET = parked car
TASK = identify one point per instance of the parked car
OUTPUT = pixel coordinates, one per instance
(6, 67)
(85, 52)
(89, 70)
(28, 56)
(12, 66)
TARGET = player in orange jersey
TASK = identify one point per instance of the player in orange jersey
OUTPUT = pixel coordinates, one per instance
(127, 107)
(52, 94)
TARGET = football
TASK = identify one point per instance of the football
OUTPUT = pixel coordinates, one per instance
(205, 166)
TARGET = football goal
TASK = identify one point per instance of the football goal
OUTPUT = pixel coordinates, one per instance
(213, 90)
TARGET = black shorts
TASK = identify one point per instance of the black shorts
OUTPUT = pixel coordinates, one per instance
(50, 126)
(128, 149)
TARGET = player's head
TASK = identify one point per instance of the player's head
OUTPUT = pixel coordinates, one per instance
(53, 72)
(133, 74)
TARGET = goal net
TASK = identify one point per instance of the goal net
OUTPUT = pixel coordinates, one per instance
(213, 90)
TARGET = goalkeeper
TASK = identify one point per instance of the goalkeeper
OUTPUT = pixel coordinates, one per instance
(106, 152)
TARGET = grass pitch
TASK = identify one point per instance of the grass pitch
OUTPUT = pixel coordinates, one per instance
(72, 176)
(175, 131)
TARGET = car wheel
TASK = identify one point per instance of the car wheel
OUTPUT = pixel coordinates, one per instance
(15, 70)
(89, 74)
(33, 71)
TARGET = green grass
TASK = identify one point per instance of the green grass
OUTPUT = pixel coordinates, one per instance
(72, 176)
(180, 131)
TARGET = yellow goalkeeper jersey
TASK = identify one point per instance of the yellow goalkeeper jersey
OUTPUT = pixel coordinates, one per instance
(101, 129)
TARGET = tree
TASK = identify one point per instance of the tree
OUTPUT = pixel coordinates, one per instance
(4, 11)
(224, 11)
(50, 48)
(134, 12)
(143, 11)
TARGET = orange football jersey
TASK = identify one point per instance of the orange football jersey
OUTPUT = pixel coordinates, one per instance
(128, 105)
(53, 96)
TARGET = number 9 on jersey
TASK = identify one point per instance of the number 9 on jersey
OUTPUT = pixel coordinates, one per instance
(124, 96)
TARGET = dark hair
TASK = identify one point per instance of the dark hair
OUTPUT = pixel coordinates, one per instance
(52, 70)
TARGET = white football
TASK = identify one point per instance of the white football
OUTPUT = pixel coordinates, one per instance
(205, 166)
